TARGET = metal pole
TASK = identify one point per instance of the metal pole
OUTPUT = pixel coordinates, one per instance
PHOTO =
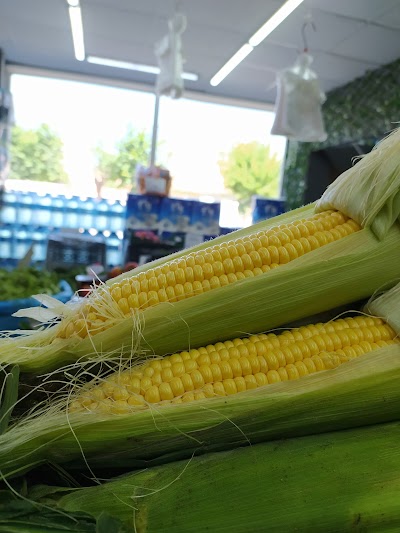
(155, 129)
(2, 70)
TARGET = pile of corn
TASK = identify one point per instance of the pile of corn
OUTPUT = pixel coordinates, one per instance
(173, 368)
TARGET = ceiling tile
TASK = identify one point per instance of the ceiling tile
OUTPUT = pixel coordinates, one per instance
(23, 10)
(391, 18)
(385, 45)
(367, 10)
(344, 48)
(271, 56)
(331, 29)
(111, 24)
(241, 17)
(334, 67)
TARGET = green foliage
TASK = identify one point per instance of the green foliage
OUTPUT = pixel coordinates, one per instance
(117, 169)
(22, 283)
(250, 169)
(23, 515)
(37, 154)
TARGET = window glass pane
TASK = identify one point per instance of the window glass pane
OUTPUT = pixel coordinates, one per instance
(199, 142)
(195, 137)
(84, 116)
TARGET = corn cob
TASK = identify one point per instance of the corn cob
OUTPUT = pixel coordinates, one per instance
(364, 390)
(313, 280)
(208, 269)
(340, 481)
(236, 366)
(335, 274)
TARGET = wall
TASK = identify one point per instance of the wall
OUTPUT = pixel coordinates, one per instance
(363, 110)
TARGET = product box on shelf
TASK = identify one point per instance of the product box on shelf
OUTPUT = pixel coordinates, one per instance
(175, 215)
(205, 218)
(143, 212)
(264, 208)
(153, 180)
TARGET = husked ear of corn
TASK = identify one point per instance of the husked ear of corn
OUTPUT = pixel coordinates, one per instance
(247, 390)
(298, 264)
(340, 481)
(229, 367)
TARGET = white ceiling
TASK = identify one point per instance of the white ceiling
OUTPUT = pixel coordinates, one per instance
(352, 36)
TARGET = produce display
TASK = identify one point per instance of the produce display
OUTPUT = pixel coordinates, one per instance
(164, 402)
(24, 282)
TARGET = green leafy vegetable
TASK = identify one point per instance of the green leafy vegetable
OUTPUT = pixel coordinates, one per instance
(22, 283)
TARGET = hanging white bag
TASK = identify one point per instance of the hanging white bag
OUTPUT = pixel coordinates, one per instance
(298, 113)
(170, 58)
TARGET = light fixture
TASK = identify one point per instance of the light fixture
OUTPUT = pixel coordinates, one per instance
(268, 27)
(272, 23)
(75, 16)
(231, 64)
(149, 69)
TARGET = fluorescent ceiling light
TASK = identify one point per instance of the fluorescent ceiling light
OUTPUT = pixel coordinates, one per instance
(149, 69)
(272, 23)
(75, 16)
(231, 64)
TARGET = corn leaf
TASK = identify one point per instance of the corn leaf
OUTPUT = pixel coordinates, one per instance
(9, 396)
(341, 481)
(363, 391)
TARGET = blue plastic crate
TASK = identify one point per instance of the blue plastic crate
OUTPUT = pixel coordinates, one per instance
(10, 323)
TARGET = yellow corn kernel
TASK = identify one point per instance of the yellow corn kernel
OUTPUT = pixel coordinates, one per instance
(237, 365)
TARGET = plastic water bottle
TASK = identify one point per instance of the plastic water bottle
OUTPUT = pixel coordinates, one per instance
(114, 250)
(44, 211)
(39, 239)
(58, 215)
(117, 221)
(8, 212)
(5, 242)
(88, 207)
(22, 243)
(25, 208)
(72, 219)
(101, 220)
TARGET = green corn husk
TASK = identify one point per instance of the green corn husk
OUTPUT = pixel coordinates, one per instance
(22, 516)
(340, 481)
(338, 273)
(335, 274)
(387, 307)
(363, 391)
(369, 191)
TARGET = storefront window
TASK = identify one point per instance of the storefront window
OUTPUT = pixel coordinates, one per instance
(83, 138)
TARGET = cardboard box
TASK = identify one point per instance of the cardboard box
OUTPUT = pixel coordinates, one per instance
(175, 215)
(205, 218)
(143, 212)
(264, 208)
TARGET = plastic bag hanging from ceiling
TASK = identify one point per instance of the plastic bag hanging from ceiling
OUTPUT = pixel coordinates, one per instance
(170, 59)
(298, 114)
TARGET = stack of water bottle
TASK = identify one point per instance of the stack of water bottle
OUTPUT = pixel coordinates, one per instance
(51, 223)
(28, 218)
